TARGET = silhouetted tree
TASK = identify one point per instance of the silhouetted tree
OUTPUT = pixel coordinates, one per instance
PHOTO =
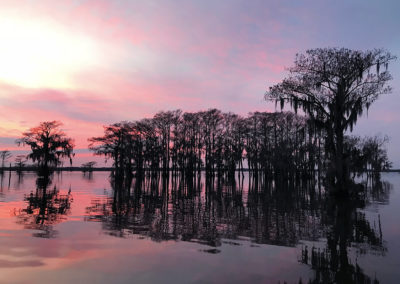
(165, 123)
(88, 166)
(49, 144)
(211, 131)
(375, 153)
(115, 144)
(4, 156)
(367, 154)
(20, 162)
(333, 87)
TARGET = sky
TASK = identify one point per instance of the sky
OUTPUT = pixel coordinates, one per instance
(92, 63)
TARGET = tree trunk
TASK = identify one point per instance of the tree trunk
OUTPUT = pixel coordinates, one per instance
(341, 172)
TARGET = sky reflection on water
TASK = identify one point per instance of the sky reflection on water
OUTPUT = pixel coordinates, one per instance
(91, 229)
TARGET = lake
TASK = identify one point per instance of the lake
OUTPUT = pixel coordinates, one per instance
(88, 228)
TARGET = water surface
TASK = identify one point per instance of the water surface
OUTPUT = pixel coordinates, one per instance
(88, 228)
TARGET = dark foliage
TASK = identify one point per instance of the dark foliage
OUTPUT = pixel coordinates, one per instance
(20, 162)
(334, 87)
(48, 144)
(280, 143)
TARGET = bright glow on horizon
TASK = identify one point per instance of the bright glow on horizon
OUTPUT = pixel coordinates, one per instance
(37, 55)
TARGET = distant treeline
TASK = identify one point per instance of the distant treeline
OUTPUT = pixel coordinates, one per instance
(279, 142)
(35, 168)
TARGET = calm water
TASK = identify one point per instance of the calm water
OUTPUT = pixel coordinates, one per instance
(83, 229)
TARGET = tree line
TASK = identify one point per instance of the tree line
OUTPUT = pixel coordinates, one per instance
(278, 142)
(331, 87)
(214, 141)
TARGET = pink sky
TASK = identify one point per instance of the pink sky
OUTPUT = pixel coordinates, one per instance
(90, 63)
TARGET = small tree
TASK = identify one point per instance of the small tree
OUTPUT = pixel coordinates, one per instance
(48, 144)
(334, 86)
(88, 166)
(375, 153)
(4, 156)
(115, 144)
(20, 162)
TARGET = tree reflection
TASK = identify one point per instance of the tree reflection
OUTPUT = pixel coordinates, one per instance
(349, 233)
(46, 207)
(284, 212)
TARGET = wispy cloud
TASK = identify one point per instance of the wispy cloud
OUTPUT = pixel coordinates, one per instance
(124, 60)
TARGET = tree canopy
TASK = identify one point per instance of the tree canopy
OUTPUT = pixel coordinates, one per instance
(48, 144)
(333, 86)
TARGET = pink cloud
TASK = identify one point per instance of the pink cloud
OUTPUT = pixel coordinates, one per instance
(167, 55)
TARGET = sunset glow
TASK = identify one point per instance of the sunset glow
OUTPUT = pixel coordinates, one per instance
(41, 55)
(91, 63)
(199, 141)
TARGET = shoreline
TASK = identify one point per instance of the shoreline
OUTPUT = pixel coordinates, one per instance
(108, 169)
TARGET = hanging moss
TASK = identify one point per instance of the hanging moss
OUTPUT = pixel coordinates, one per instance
(377, 67)
(295, 105)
